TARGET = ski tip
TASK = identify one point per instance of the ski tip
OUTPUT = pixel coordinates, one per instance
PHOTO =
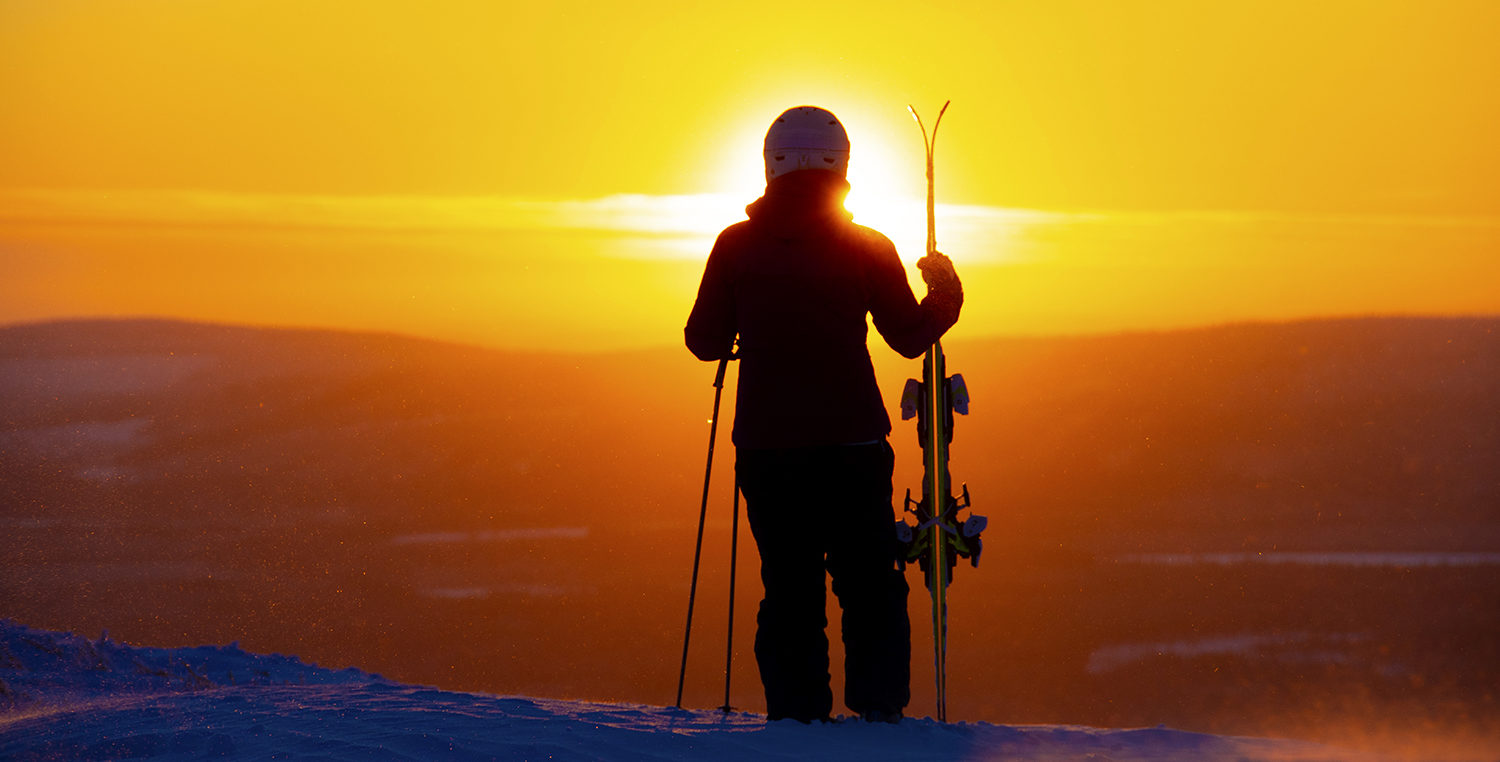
(939, 119)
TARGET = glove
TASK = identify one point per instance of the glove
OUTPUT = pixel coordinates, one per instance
(937, 271)
(939, 275)
(943, 286)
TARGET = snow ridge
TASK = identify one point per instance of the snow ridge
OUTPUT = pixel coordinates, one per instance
(37, 666)
(63, 696)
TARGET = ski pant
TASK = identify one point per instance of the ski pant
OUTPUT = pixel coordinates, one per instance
(817, 509)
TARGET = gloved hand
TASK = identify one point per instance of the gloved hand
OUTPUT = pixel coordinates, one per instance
(937, 272)
(944, 290)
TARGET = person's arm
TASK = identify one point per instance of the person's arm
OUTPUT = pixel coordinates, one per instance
(910, 327)
(945, 293)
(711, 325)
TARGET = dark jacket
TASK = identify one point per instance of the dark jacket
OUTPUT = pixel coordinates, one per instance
(795, 282)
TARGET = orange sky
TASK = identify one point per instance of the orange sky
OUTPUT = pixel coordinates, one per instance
(550, 174)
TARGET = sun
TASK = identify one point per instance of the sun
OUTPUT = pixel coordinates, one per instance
(878, 198)
(885, 193)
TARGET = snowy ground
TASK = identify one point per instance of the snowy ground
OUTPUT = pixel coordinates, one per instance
(63, 696)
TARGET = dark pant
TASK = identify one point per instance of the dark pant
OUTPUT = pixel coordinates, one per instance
(813, 509)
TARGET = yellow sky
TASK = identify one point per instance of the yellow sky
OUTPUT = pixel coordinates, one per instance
(1368, 106)
(592, 117)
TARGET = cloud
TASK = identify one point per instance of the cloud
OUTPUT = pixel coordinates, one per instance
(646, 225)
(684, 226)
(691, 214)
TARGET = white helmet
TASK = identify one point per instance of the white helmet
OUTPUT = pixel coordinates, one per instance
(806, 137)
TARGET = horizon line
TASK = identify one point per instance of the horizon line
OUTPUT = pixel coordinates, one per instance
(1061, 334)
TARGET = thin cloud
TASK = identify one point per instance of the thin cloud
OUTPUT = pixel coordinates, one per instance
(671, 226)
(685, 214)
(648, 226)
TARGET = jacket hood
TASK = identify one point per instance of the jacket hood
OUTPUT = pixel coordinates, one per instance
(801, 200)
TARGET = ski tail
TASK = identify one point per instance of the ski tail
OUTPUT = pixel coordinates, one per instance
(937, 479)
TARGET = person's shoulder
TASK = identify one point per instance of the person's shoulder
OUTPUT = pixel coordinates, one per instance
(736, 231)
(871, 239)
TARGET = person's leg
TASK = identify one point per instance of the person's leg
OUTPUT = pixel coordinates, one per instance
(791, 647)
(870, 589)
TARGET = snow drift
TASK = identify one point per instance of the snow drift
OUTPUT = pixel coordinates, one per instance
(63, 696)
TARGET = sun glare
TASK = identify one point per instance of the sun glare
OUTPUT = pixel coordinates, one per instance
(881, 195)
(879, 199)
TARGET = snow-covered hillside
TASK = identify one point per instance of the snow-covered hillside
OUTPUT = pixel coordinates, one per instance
(67, 697)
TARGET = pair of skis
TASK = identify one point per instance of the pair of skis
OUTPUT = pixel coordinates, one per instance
(939, 538)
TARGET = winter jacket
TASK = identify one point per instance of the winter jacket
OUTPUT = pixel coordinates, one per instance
(795, 282)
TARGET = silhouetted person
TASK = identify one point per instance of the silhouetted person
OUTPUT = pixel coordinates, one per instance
(795, 283)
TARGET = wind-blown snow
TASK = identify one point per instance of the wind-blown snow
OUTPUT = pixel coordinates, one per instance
(63, 696)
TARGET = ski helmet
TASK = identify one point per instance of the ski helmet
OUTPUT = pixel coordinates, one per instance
(806, 137)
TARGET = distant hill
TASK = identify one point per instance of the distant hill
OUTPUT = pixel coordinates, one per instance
(1301, 433)
(356, 498)
(1325, 422)
(269, 423)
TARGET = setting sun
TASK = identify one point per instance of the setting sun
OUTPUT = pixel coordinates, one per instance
(886, 185)
(1099, 170)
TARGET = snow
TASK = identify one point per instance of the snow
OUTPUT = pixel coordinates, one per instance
(84, 376)
(1399, 560)
(1305, 647)
(63, 696)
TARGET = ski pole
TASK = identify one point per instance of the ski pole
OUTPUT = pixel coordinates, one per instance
(734, 544)
(713, 428)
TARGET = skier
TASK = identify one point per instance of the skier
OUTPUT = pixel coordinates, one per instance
(794, 283)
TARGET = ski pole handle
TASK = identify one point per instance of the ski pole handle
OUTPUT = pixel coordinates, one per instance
(719, 377)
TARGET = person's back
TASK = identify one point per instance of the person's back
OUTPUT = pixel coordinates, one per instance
(795, 283)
